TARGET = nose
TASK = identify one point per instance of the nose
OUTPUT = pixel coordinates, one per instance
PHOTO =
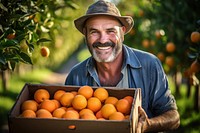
(103, 38)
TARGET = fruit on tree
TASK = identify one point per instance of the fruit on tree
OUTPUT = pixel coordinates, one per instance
(170, 47)
(45, 51)
(11, 36)
(195, 37)
(195, 67)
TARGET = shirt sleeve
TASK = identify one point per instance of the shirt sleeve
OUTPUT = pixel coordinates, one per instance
(161, 98)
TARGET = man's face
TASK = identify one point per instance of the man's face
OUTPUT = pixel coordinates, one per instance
(104, 36)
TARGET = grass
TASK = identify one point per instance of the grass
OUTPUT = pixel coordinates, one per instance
(189, 118)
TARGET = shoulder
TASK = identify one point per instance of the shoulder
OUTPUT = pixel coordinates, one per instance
(77, 73)
(80, 67)
(141, 54)
(142, 57)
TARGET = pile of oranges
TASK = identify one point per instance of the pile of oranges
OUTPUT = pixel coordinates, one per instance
(85, 103)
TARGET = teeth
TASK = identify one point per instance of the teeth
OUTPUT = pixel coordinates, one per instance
(103, 48)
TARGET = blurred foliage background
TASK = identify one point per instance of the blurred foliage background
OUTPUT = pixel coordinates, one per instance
(168, 29)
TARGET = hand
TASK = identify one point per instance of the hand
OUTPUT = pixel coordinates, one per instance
(169, 120)
(143, 120)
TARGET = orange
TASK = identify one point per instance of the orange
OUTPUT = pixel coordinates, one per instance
(43, 113)
(129, 99)
(88, 116)
(98, 114)
(127, 117)
(101, 119)
(48, 105)
(79, 102)
(158, 34)
(66, 99)
(29, 105)
(44, 51)
(57, 95)
(123, 106)
(71, 114)
(195, 67)
(101, 94)
(58, 113)
(187, 73)
(41, 95)
(11, 36)
(161, 56)
(169, 61)
(83, 111)
(86, 91)
(111, 100)
(141, 13)
(94, 104)
(74, 93)
(170, 47)
(116, 116)
(107, 110)
(70, 108)
(28, 114)
(145, 43)
(31, 16)
(57, 103)
(63, 108)
(195, 36)
(152, 43)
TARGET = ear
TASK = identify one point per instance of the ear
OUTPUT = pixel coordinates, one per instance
(124, 29)
(84, 31)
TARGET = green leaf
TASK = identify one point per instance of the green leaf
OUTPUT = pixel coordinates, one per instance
(31, 47)
(11, 65)
(9, 43)
(43, 40)
(25, 58)
(44, 29)
(3, 7)
(2, 59)
(72, 5)
(193, 49)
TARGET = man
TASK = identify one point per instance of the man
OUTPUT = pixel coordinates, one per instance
(114, 64)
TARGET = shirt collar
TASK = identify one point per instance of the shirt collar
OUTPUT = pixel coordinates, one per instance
(130, 57)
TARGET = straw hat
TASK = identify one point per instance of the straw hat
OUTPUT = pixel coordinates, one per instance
(102, 7)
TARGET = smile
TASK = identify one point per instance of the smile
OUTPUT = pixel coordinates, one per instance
(104, 48)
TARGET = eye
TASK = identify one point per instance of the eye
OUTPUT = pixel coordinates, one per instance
(111, 31)
(93, 32)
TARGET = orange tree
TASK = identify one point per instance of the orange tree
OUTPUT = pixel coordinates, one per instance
(194, 53)
(25, 25)
(170, 30)
(21, 26)
(163, 28)
(193, 72)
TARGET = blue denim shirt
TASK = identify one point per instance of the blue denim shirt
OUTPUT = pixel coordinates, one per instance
(144, 71)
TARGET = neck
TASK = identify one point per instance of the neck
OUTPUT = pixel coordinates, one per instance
(109, 72)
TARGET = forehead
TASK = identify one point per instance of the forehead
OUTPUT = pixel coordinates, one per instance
(102, 20)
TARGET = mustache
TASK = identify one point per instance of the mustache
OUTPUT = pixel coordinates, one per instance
(106, 44)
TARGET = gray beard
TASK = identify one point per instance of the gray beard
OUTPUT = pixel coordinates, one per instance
(111, 58)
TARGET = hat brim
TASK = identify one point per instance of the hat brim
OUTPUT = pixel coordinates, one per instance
(126, 21)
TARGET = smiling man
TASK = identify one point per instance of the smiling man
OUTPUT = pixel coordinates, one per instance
(114, 64)
(103, 38)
